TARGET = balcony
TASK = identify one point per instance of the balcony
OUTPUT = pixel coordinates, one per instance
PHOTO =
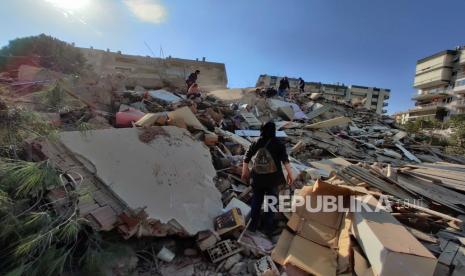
(430, 112)
(437, 77)
(434, 70)
(436, 93)
(385, 104)
(459, 103)
(429, 106)
(384, 111)
(434, 62)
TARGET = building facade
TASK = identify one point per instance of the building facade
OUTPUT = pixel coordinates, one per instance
(371, 97)
(153, 73)
(440, 84)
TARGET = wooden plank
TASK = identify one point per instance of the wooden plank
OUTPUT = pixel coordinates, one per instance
(421, 235)
(433, 192)
(441, 181)
(459, 270)
(459, 257)
(431, 212)
(407, 153)
(447, 256)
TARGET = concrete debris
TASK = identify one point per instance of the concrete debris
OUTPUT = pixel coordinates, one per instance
(330, 123)
(164, 169)
(164, 96)
(404, 255)
(158, 165)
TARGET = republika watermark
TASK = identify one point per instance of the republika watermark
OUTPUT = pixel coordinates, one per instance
(327, 203)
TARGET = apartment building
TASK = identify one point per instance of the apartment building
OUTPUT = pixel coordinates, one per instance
(152, 72)
(371, 97)
(401, 117)
(440, 84)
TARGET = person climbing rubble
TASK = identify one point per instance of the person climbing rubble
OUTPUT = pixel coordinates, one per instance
(267, 173)
(283, 87)
(301, 85)
(194, 92)
(192, 79)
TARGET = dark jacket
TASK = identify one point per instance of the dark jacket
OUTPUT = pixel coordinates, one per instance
(284, 84)
(279, 154)
(301, 84)
(191, 79)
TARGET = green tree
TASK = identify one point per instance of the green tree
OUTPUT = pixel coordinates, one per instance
(54, 54)
(457, 140)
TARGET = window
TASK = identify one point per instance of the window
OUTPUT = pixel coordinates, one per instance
(273, 81)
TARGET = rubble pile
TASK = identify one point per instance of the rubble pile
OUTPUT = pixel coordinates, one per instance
(156, 164)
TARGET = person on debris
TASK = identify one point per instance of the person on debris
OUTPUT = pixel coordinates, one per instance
(283, 86)
(193, 92)
(267, 173)
(301, 85)
(192, 79)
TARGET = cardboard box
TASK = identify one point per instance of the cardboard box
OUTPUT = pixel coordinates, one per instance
(304, 254)
(319, 227)
(314, 246)
(389, 246)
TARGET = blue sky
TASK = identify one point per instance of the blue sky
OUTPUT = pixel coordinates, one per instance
(365, 42)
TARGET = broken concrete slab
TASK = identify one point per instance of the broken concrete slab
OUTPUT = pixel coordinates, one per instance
(339, 121)
(407, 153)
(251, 120)
(164, 96)
(276, 104)
(243, 95)
(399, 135)
(389, 246)
(286, 112)
(318, 111)
(154, 175)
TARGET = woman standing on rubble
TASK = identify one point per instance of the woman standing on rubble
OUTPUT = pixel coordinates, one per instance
(267, 173)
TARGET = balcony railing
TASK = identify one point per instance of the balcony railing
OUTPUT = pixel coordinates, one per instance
(438, 91)
(428, 106)
(460, 102)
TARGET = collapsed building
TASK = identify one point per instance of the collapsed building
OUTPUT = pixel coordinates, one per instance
(373, 98)
(150, 72)
(157, 165)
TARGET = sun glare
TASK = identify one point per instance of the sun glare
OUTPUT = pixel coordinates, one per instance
(70, 5)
